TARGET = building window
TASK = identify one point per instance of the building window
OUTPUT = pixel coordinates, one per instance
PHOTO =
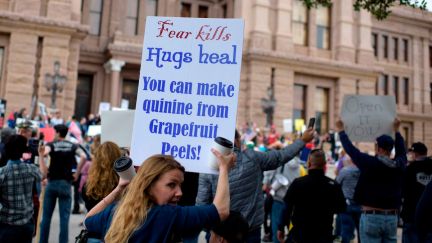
(357, 86)
(132, 17)
(374, 44)
(406, 135)
(207, 8)
(151, 7)
(95, 16)
(405, 91)
(83, 98)
(405, 49)
(299, 102)
(322, 109)
(385, 46)
(396, 88)
(430, 92)
(186, 10)
(203, 11)
(323, 27)
(129, 92)
(430, 56)
(225, 10)
(2, 52)
(395, 48)
(300, 23)
(377, 85)
(384, 84)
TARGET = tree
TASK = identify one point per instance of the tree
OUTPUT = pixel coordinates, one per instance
(378, 8)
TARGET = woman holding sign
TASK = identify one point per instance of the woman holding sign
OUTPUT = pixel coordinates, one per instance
(148, 211)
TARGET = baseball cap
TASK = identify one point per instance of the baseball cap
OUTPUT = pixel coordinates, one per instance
(385, 142)
(419, 148)
(25, 124)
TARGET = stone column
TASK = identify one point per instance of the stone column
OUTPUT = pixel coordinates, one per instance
(284, 88)
(367, 86)
(364, 52)
(345, 50)
(260, 33)
(113, 67)
(284, 32)
(20, 70)
(427, 133)
(416, 52)
(345, 85)
(312, 32)
(76, 10)
(59, 10)
(259, 80)
(426, 77)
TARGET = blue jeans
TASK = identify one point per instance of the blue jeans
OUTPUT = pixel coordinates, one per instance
(378, 228)
(409, 233)
(350, 221)
(60, 189)
(17, 233)
(276, 213)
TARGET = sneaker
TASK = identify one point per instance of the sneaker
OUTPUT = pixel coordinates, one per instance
(267, 238)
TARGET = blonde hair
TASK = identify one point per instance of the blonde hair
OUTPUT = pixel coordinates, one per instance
(132, 210)
(102, 178)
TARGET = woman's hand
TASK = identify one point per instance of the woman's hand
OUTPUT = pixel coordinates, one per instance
(225, 161)
(123, 183)
(41, 150)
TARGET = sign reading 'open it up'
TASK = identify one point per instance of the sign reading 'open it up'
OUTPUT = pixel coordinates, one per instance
(367, 117)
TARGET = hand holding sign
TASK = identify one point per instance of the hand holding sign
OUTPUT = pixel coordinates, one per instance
(339, 125)
(396, 124)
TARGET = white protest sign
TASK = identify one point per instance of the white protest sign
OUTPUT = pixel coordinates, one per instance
(94, 130)
(124, 104)
(367, 116)
(188, 88)
(42, 109)
(288, 125)
(104, 106)
(117, 127)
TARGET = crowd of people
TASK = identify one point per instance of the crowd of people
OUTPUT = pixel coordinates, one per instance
(269, 182)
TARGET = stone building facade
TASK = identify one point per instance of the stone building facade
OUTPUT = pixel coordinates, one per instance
(312, 58)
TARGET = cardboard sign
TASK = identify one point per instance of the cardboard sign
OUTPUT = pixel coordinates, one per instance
(188, 88)
(42, 109)
(49, 133)
(288, 125)
(94, 130)
(299, 124)
(124, 104)
(367, 116)
(117, 127)
(104, 106)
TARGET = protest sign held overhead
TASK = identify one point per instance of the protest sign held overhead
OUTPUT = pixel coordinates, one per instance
(188, 88)
(116, 127)
(366, 116)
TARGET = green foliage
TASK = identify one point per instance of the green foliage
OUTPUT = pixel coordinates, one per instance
(378, 8)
